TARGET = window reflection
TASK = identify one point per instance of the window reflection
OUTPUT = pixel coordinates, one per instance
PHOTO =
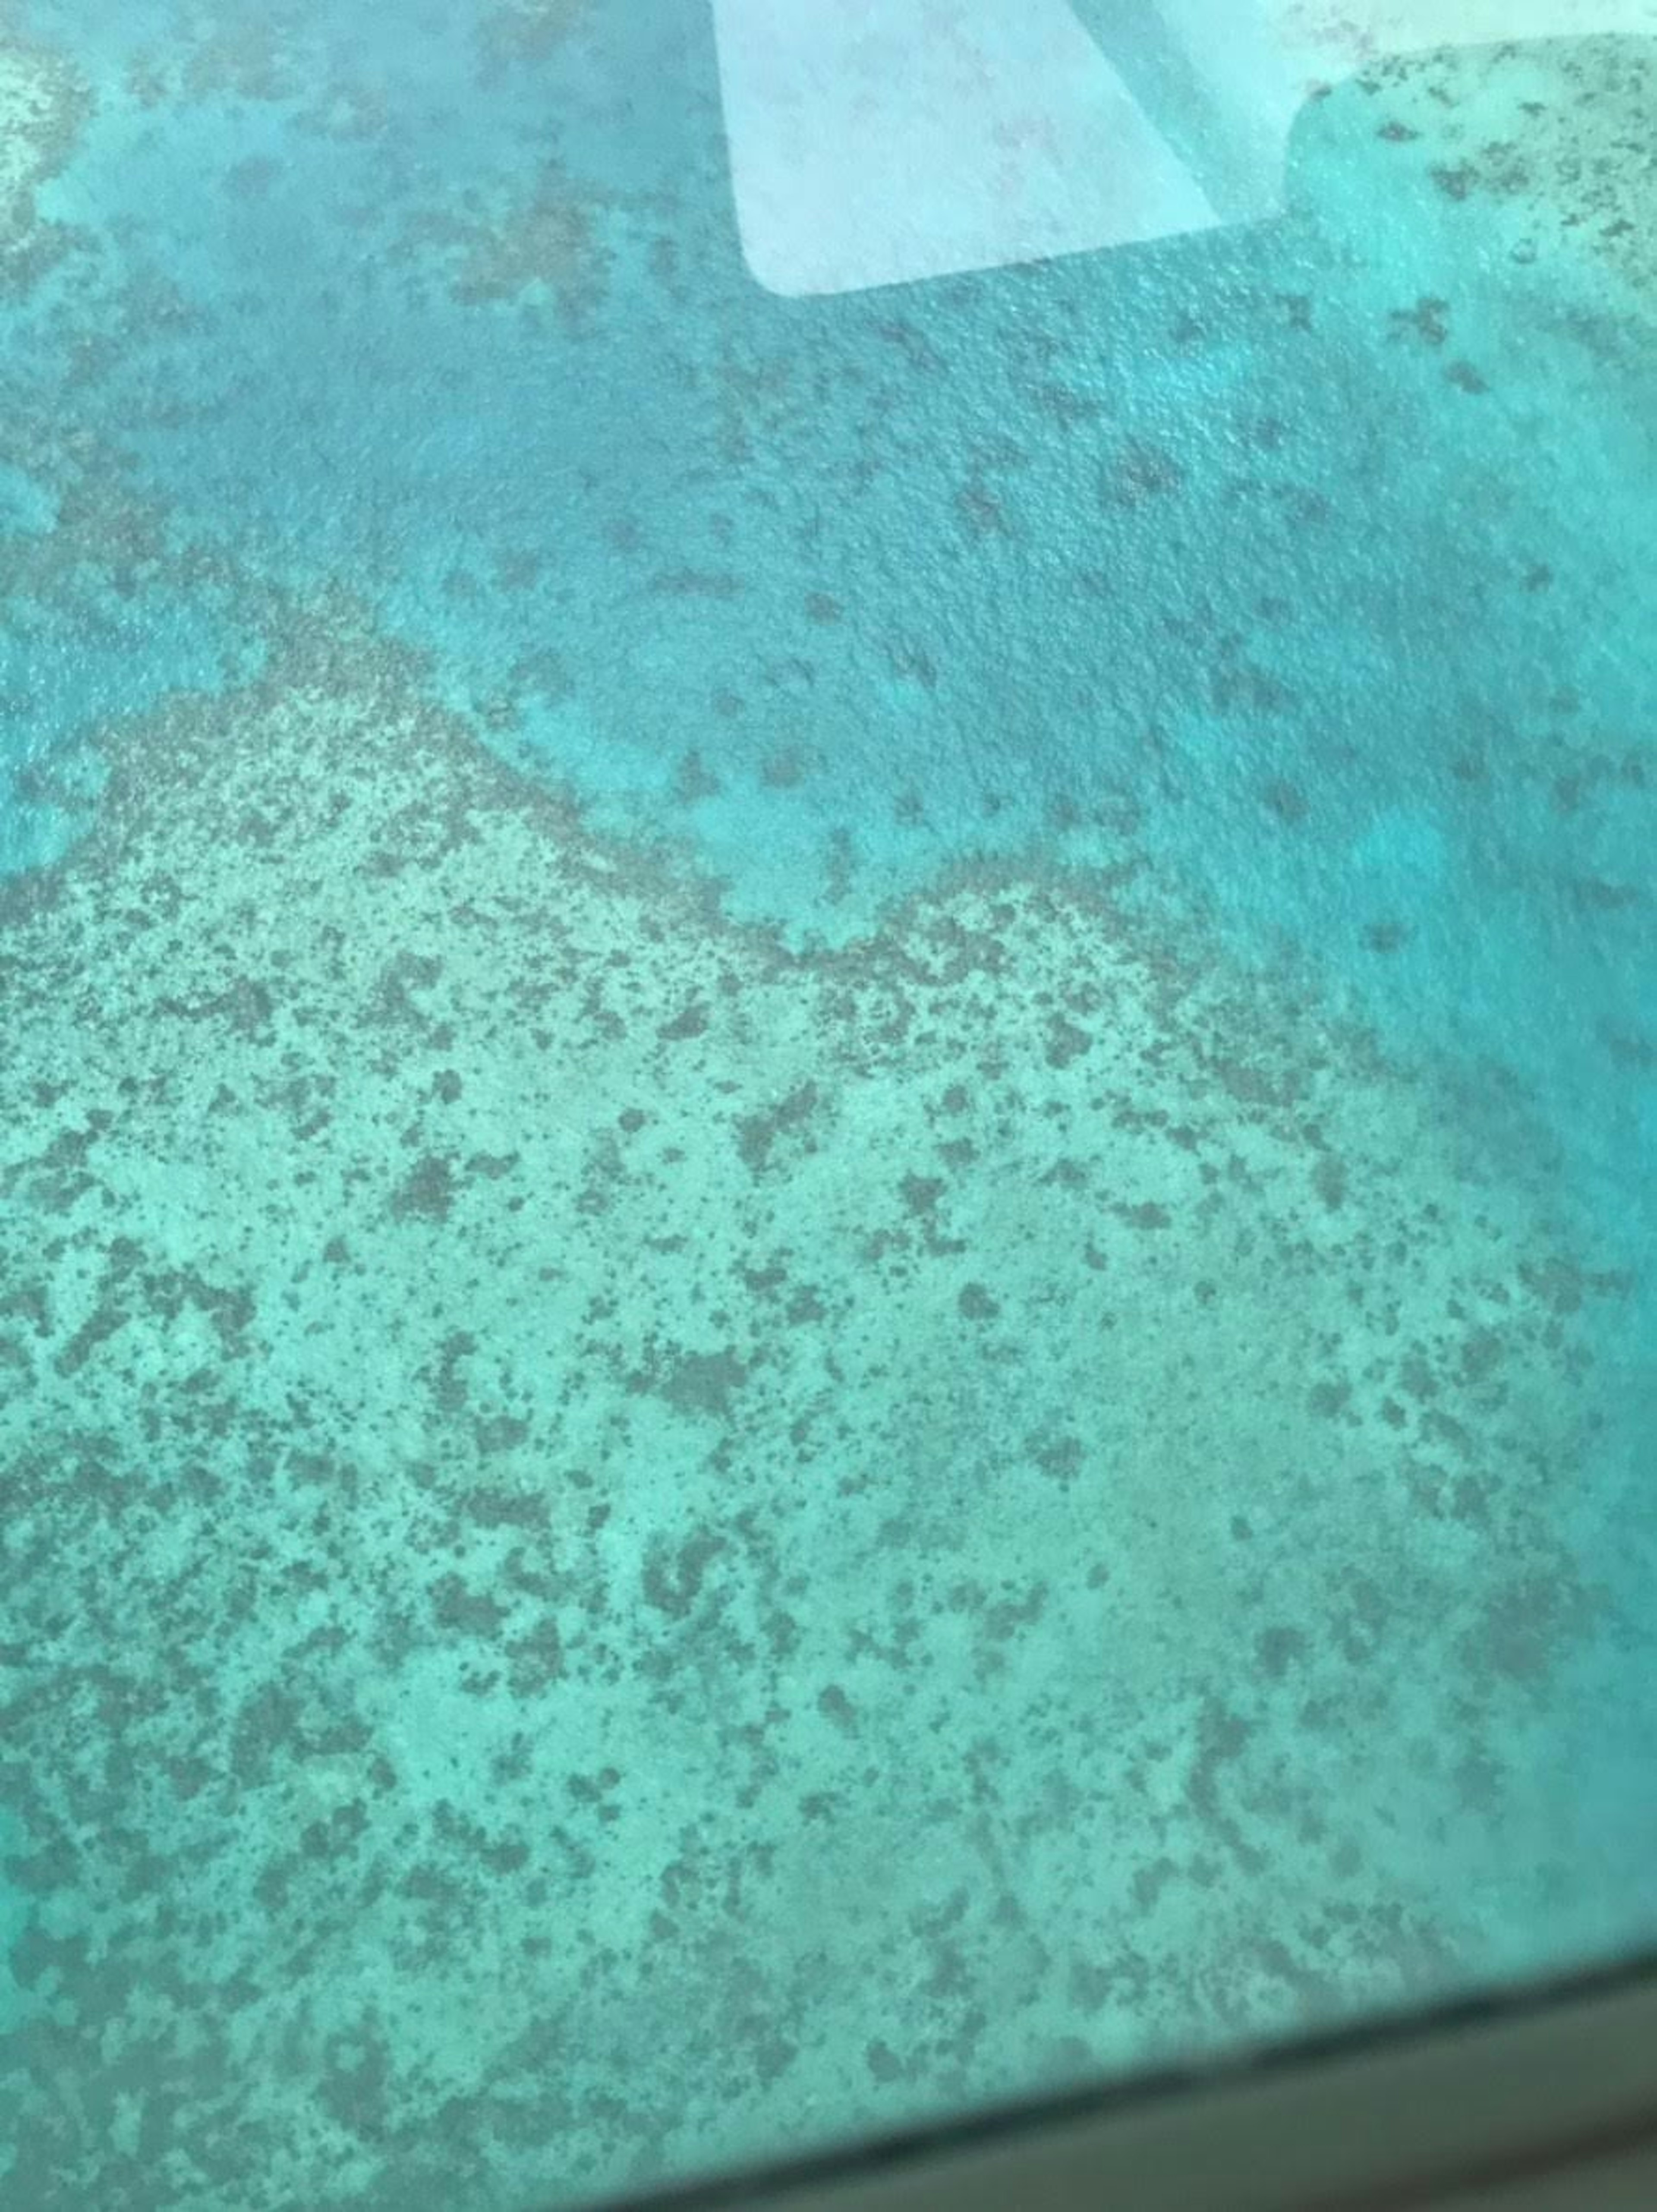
(878, 140)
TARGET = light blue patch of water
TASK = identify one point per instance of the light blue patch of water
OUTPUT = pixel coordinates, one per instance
(1194, 554)
(1197, 557)
(1306, 566)
(1136, 554)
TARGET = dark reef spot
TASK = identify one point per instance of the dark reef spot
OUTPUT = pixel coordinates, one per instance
(1385, 936)
(911, 662)
(492, 1166)
(785, 770)
(1428, 320)
(1142, 472)
(1066, 406)
(835, 1705)
(1482, 1354)
(251, 179)
(427, 1191)
(355, 2091)
(244, 1005)
(103, 1322)
(756, 1134)
(505, 1509)
(1065, 1041)
(1526, 1627)
(922, 1192)
(537, 1657)
(697, 1381)
(1628, 1049)
(673, 1585)
(1061, 1457)
(982, 511)
(338, 1836)
(1236, 683)
(884, 2063)
(975, 1303)
(500, 1432)
(1149, 1881)
(466, 1613)
(1595, 897)
(691, 1022)
(695, 780)
(1455, 183)
(1329, 1179)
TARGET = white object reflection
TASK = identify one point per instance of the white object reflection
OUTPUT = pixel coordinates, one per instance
(876, 140)
(873, 142)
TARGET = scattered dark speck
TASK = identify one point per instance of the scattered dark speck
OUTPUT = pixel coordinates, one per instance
(1286, 801)
(1455, 183)
(1385, 936)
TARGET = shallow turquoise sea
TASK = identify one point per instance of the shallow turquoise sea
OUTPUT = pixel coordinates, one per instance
(448, 603)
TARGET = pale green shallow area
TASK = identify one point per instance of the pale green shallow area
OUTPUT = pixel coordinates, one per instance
(1042, 1546)
(626, 1546)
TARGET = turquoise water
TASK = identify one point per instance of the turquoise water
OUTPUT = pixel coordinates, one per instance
(766, 1059)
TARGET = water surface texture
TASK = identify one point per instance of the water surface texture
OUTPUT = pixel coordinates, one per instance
(825, 1115)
